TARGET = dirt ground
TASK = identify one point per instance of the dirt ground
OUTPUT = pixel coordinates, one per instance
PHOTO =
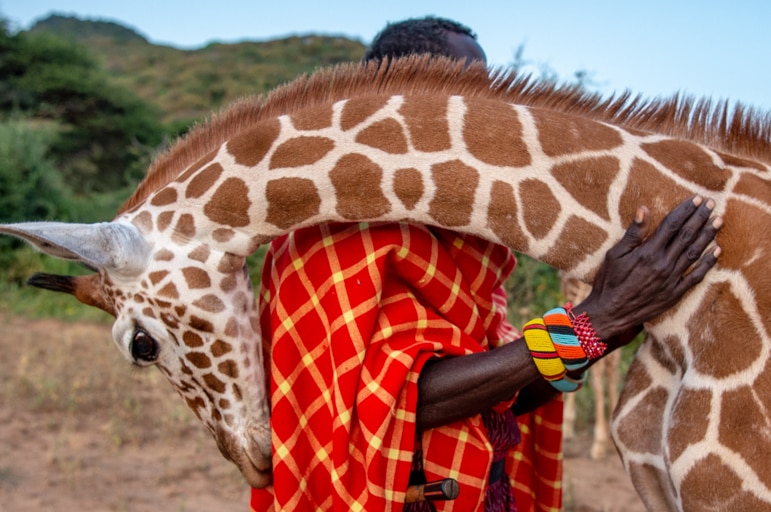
(82, 430)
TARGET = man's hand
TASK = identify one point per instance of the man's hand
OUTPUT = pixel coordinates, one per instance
(642, 277)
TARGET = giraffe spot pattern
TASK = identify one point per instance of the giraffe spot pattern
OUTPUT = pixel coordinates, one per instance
(456, 185)
(231, 328)
(499, 143)
(228, 283)
(212, 382)
(223, 234)
(358, 110)
(712, 485)
(203, 181)
(163, 255)
(741, 162)
(230, 203)
(313, 118)
(220, 348)
(200, 253)
(670, 358)
(358, 181)
(193, 169)
(250, 146)
(408, 186)
(747, 248)
(755, 187)
(230, 263)
(229, 369)
(386, 135)
(426, 120)
(170, 291)
(192, 340)
(541, 209)
(588, 181)
(502, 216)
(683, 431)
(143, 221)
(199, 359)
(689, 161)
(300, 151)
(744, 428)
(210, 303)
(647, 186)
(157, 277)
(200, 324)
(237, 392)
(165, 197)
(641, 472)
(164, 220)
(170, 321)
(730, 317)
(196, 278)
(195, 405)
(592, 237)
(291, 201)
(651, 406)
(561, 134)
(185, 228)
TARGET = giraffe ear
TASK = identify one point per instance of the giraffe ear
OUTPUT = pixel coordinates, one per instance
(116, 248)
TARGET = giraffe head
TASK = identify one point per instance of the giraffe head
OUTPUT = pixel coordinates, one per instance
(186, 308)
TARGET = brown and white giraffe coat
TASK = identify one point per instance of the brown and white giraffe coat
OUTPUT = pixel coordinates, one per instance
(548, 172)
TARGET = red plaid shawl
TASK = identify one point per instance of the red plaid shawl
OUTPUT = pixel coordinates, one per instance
(353, 312)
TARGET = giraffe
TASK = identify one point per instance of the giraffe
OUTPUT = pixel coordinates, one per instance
(604, 373)
(548, 171)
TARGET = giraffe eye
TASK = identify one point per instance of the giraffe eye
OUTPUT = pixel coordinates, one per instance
(143, 347)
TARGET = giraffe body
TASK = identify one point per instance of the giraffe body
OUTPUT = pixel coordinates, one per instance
(548, 172)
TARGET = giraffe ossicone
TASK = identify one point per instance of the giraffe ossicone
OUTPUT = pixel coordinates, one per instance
(550, 172)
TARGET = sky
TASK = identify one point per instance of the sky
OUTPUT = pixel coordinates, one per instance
(654, 48)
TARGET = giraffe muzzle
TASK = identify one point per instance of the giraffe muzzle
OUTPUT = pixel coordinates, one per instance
(250, 452)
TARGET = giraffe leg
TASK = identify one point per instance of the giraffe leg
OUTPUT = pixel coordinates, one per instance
(601, 430)
(638, 430)
(569, 417)
(607, 374)
(613, 375)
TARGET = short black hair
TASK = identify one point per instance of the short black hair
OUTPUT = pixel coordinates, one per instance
(415, 35)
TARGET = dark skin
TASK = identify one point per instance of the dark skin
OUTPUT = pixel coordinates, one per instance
(642, 276)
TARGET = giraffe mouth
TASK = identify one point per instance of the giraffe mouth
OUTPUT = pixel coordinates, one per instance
(258, 452)
(257, 473)
(250, 453)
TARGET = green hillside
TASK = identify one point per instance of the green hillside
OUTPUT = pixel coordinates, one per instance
(188, 84)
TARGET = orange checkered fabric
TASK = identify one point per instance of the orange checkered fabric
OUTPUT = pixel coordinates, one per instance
(350, 314)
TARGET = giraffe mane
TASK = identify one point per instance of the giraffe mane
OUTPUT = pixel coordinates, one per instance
(739, 130)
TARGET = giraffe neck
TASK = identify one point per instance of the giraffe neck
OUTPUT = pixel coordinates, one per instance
(476, 166)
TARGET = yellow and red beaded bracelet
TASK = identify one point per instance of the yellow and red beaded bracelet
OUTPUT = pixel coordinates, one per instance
(561, 342)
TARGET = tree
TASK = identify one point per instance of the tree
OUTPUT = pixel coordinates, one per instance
(106, 134)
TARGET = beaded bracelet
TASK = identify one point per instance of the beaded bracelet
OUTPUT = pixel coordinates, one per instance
(592, 345)
(565, 341)
(546, 358)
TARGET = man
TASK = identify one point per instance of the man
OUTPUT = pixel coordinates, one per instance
(384, 373)
(432, 35)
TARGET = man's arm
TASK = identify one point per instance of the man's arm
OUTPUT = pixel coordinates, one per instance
(640, 278)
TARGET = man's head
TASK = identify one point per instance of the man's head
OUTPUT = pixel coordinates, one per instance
(436, 36)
